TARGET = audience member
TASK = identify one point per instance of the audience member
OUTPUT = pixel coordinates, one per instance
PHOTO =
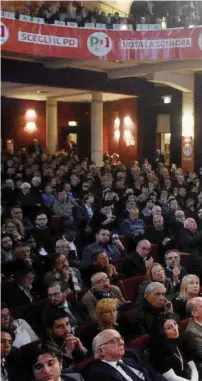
(24, 334)
(137, 262)
(193, 333)
(103, 242)
(190, 288)
(101, 288)
(115, 363)
(167, 355)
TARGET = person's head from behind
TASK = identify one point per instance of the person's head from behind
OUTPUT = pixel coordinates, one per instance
(41, 220)
(190, 224)
(143, 248)
(46, 363)
(62, 247)
(57, 324)
(190, 287)
(57, 293)
(100, 282)
(158, 222)
(106, 312)
(108, 345)
(102, 236)
(155, 294)
(16, 212)
(180, 216)
(7, 338)
(133, 213)
(172, 258)
(156, 273)
(59, 262)
(6, 242)
(194, 307)
(99, 258)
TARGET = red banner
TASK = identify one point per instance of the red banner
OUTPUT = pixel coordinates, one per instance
(80, 43)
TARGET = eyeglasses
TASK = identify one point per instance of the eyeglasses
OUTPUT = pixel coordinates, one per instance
(103, 280)
(114, 340)
(171, 258)
(54, 295)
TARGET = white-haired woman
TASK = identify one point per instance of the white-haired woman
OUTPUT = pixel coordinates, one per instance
(27, 201)
(190, 288)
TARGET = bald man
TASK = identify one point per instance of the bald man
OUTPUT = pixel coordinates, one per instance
(193, 334)
(139, 260)
(113, 363)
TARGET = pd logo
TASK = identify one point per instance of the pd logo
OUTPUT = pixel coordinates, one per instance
(4, 33)
(99, 44)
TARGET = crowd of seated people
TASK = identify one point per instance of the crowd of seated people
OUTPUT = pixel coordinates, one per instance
(95, 257)
(174, 13)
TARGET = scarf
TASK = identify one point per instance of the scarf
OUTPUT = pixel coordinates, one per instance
(74, 279)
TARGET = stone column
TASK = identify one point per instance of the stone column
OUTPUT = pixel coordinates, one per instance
(51, 125)
(97, 128)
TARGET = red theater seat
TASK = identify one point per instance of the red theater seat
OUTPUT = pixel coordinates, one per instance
(55, 224)
(184, 324)
(184, 259)
(140, 343)
(130, 287)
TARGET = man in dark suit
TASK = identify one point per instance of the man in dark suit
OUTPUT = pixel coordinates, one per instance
(19, 292)
(136, 263)
(191, 242)
(114, 364)
(76, 311)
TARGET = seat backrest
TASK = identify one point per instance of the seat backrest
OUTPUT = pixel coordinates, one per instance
(184, 324)
(140, 344)
(130, 287)
(184, 257)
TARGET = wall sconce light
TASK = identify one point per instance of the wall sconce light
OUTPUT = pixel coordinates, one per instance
(127, 121)
(72, 123)
(127, 134)
(31, 114)
(30, 127)
(167, 98)
(117, 135)
(187, 125)
(117, 122)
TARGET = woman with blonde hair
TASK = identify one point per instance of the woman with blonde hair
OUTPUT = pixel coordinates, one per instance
(156, 273)
(190, 288)
(105, 318)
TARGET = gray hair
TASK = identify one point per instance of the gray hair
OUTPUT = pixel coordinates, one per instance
(97, 275)
(25, 185)
(152, 286)
(191, 304)
(100, 339)
(186, 222)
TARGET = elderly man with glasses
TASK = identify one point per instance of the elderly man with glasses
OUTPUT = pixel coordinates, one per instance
(153, 304)
(138, 261)
(114, 363)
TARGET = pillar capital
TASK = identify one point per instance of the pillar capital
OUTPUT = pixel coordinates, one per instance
(97, 97)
